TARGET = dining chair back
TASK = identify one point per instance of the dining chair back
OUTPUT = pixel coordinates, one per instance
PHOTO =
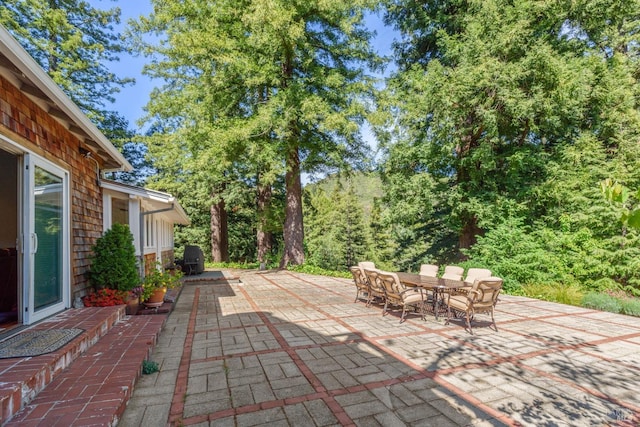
(430, 270)
(376, 289)
(362, 285)
(366, 264)
(476, 273)
(453, 272)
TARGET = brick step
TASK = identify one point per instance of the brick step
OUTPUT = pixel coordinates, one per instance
(21, 379)
(96, 387)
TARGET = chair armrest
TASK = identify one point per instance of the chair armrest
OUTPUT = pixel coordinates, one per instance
(415, 290)
(473, 295)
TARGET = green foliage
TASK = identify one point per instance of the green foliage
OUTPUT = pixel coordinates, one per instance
(312, 269)
(630, 306)
(256, 90)
(503, 118)
(513, 252)
(382, 246)
(601, 301)
(236, 265)
(366, 188)
(336, 234)
(613, 301)
(73, 42)
(113, 260)
(149, 367)
(619, 195)
(563, 294)
(159, 278)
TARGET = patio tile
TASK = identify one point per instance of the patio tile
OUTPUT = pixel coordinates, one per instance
(283, 348)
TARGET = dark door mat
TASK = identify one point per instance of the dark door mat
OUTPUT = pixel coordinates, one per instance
(35, 343)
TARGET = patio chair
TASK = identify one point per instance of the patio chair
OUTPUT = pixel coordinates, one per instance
(396, 293)
(453, 272)
(362, 285)
(482, 298)
(429, 270)
(476, 273)
(366, 264)
(472, 275)
(376, 290)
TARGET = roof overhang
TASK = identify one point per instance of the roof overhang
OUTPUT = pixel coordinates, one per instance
(151, 200)
(17, 66)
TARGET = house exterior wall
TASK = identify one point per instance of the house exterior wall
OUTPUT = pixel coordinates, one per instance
(149, 262)
(25, 123)
(167, 258)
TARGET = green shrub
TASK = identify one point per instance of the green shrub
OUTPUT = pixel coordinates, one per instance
(236, 265)
(113, 261)
(630, 306)
(312, 269)
(571, 295)
(563, 294)
(601, 301)
(149, 367)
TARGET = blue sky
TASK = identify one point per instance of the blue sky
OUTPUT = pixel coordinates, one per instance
(131, 100)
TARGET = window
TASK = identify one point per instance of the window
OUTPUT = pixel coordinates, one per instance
(119, 211)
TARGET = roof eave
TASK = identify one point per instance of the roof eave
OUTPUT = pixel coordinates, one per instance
(36, 83)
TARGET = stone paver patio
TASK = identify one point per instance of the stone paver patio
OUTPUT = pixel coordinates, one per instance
(287, 349)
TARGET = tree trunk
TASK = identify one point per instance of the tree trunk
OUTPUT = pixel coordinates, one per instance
(469, 233)
(264, 236)
(468, 142)
(219, 232)
(293, 227)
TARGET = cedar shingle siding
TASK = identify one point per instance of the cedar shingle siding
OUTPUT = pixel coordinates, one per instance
(24, 122)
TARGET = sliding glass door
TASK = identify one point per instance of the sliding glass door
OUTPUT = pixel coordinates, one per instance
(45, 240)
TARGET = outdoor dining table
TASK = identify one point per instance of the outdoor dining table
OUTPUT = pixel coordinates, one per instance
(437, 285)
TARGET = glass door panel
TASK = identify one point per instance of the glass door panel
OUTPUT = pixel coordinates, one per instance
(45, 241)
(49, 227)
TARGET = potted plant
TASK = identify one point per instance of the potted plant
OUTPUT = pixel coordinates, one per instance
(113, 272)
(156, 284)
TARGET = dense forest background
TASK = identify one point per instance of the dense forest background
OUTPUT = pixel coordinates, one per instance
(495, 124)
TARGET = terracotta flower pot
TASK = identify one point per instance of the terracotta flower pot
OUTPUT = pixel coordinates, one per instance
(132, 305)
(157, 298)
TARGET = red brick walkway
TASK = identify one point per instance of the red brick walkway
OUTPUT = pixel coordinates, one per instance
(95, 388)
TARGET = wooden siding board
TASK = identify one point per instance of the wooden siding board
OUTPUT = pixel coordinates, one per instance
(40, 133)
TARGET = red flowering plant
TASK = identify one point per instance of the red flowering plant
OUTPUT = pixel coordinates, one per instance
(105, 298)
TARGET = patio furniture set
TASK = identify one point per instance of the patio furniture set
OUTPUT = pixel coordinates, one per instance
(477, 293)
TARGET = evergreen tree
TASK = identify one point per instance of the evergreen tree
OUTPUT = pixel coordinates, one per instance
(515, 111)
(351, 228)
(257, 88)
(73, 41)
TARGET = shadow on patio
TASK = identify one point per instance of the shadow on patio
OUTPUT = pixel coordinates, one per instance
(293, 349)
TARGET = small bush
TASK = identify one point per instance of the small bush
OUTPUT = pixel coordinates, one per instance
(630, 306)
(236, 265)
(563, 294)
(312, 269)
(149, 367)
(601, 301)
(571, 295)
(113, 261)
